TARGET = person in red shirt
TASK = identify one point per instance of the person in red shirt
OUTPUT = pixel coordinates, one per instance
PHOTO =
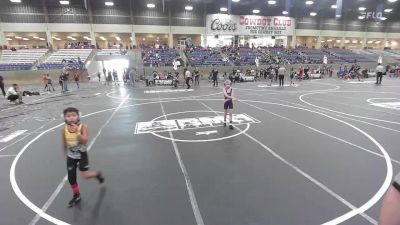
(45, 81)
(301, 71)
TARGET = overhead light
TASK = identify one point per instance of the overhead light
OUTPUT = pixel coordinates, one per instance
(89, 39)
(63, 2)
(377, 42)
(151, 5)
(36, 37)
(54, 37)
(188, 8)
(370, 42)
(15, 1)
(338, 41)
(223, 9)
(86, 37)
(309, 2)
(285, 12)
(388, 10)
(74, 39)
(392, 0)
(256, 11)
(333, 6)
(322, 41)
(109, 3)
(354, 42)
(313, 13)
(361, 17)
(347, 41)
(42, 39)
(103, 38)
(69, 37)
(18, 37)
(338, 16)
(235, 0)
(25, 39)
(8, 39)
(271, 2)
(362, 9)
(329, 40)
(118, 38)
(383, 18)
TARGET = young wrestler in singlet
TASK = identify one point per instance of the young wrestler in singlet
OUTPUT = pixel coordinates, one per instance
(75, 139)
(228, 104)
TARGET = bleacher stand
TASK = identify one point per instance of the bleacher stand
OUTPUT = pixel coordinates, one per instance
(20, 59)
(347, 55)
(282, 55)
(54, 61)
(201, 57)
(243, 56)
(316, 56)
(112, 51)
(159, 57)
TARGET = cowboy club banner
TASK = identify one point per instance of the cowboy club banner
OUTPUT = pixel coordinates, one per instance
(220, 24)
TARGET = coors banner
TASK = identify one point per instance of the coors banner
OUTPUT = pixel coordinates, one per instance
(220, 24)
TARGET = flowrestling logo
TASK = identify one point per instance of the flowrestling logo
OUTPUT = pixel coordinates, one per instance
(218, 25)
(372, 15)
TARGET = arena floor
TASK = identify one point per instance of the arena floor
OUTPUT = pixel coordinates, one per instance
(322, 152)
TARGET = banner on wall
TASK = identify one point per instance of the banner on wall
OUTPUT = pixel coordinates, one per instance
(221, 24)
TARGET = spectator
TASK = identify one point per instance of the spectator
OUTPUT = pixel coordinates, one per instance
(2, 85)
(45, 82)
(214, 73)
(65, 78)
(188, 76)
(379, 73)
(61, 81)
(14, 93)
(196, 77)
(49, 82)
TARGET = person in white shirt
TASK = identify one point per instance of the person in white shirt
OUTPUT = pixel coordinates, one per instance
(281, 73)
(379, 73)
(14, 93)
(188, 76)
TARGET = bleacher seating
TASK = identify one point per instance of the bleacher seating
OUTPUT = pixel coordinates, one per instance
(20, 59)
(112, 51)
(347, 55)
(54, 61)
(283, 55)
(159, 57)
(388, 57)
(245, 56)
(205, 57)
(315, 56)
